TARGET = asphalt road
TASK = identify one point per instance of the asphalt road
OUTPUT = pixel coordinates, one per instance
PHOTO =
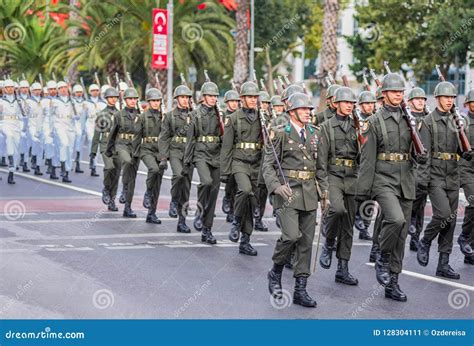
(63, 255)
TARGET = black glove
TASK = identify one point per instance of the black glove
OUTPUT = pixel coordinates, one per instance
(163, 165)
(224, 179)
(92, 156)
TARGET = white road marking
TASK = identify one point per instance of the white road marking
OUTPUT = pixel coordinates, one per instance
(434, 279)
(70, 249)
(130, 247)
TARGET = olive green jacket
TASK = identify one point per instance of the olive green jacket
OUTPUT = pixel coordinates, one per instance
(148, 125)
(467, 167)
(102, 129)
(125, 122)
(175, 124)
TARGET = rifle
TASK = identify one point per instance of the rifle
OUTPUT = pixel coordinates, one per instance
(22, 111)
(463, 140)
(40, 80)
(287, 81)
(275, 86)
(70, 93)
(117, 81)
(96, 77)
(233, 85)
(108, 81)
(282, 84)
(54, 76)
(219, 113)
(262, 84)
(86, 95)
(366, 82)
(356, 117)
(410, 119)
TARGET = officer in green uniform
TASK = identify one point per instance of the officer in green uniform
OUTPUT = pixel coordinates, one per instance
(112, 164)
(330, 109)
(295, 195)
(440, 178)
(387, 175)
(241, 156)
(363, 217)
(337, 166)
(145, 147)
(231, 100)
(466, 238)
(120, 141)
(172, 144)
(203, 150)
(417, 103)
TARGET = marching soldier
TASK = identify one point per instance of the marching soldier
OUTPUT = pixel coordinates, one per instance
(231, 100)
(94, 105)
(120, 141)
(367, 107)
(417, 103)
(11, 126)
(78, 97)
(172, 144)
(112, 165)
(466, 238)
(278, 107)
(439, 176)
(25, 140)
(36, 114)
(50, 154)
(337, 165)
(330, 109)
(145, 146)
(202, 150)
(241, 156)
(295, 195)
(387, 176)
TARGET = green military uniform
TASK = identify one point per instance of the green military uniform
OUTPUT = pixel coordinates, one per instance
(112, 164)
(337, 165)
(241, 157)
(296, 150)
(387, 175)
(145, 146)
(467, 183)
(203, 150)
(324, 115)
(120, 141)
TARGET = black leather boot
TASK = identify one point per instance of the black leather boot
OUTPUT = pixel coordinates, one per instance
(444, 269)
(78, 164)
(122, 199)
(393, 291)
(234, 233)
(464, 245)
(111, 205)
(93, 168)
(53, 175)
(173, 211)
(364, 235)
(37, 170)
(48, 165)
(25, 167)
(226, 207)
(245, 248)
(182, 227)
(105, 196)
(128, 212)
(382, 268)
(146, 199)
(326, 254)
(274, 281)
(65, 174)
(414, 243)
(94, 172)
(197, 223)
(229, 218)
(423, 254)
(33, 162)
(207, 236)
(11, 178)
(342, 274)
(259, 225)
(152, 218)
(300, 296)
(374, 253)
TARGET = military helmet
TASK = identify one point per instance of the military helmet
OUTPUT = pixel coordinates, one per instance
(24, 84)
(182, 90)
(231, 95)
(111, 92)
(103, 88)
(393, 82)
(36, 86)
(470, 96)
(332, 90)
(8, 83)
(130, 93)
(290, 90)
(210, 88)
(77, 88)
(366, 97)
(445, 89)
(264, 96)
(51, 84)
(249, 89)
(299, 100)
(416, 93)
(276, 101)
(62, 84)
(345, 94)
(153, 94)
(378, 93)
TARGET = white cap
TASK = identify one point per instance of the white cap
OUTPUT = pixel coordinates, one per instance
(8, 83)
(123, 86)
(24, 84)
(36, 86)
(93, 87)
(77, 88)
(62, 84)
(103, 88)
(51, 84)
(15, 84)
(45, 90)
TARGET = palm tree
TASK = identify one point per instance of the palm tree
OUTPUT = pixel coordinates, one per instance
(241, 48)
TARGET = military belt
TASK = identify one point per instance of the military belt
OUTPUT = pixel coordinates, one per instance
(179, 139)
(128, 136)
(208, 139)
(247, 145)
(445, 156)
(150, 140)
(8, 117)
(343, 162)
(300, 175)
(394, 157)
